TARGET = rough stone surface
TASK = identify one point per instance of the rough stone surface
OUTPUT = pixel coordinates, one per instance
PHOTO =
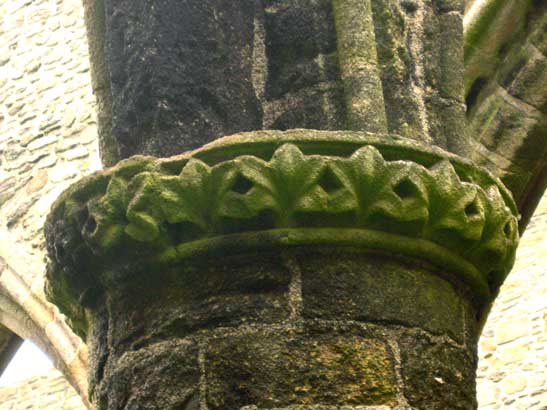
(513, 345)
(44, 76)
(147, 255)
(276, 64)
(374, 288)
(172, 250)
(237, 68)
(505, 59)
(50, 391)
(288, 368)
(137, 380)
(165, 212)
(43, 66)
(30, 136)
(448, 384)
(281, 359)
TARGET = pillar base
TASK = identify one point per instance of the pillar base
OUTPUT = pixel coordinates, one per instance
(283, 270)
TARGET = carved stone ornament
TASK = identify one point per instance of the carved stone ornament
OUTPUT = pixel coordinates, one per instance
(274, 189)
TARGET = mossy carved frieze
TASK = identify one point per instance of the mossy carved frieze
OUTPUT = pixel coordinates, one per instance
(283, 189)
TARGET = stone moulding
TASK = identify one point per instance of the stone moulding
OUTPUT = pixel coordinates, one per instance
(280, 189)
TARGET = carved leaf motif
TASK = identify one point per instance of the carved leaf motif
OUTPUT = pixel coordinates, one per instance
(186, 195)
(498, 243)
(468, 227)
(456, 208)
(286, 184)
(373, 181)
(108, 214)
(143, 211)
(301, 190)
(198, 194)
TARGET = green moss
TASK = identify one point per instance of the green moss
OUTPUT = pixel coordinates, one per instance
(497, 28)
(319, 188)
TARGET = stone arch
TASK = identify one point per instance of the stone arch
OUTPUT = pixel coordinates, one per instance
(47, 140)
(23, 307)
(26, 313)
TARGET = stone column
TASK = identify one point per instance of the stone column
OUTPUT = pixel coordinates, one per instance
(172, 75)
(299, 269)
(302, 270)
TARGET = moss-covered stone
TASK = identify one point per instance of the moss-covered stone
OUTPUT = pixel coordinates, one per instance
(229, 291)
(359, 66)
(281, 369)
(437, 375)
(339, 285)
(278, 190)
(162, 376)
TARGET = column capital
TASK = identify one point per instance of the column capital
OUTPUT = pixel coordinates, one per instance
(272, 189)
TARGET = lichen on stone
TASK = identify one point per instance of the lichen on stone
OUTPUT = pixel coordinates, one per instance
(384, 194)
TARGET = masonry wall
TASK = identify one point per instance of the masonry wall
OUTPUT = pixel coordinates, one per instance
(47, 114)
(45, 392)
(513, 346)
(48, 140)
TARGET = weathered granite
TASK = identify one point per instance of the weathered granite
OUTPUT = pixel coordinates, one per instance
(46, 108)
(49, 391)
(183, 73)
(513, 345)
(19, 18)
(506, 84)
(218, 268)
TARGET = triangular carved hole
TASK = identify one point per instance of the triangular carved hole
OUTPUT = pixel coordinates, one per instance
(405, 189)
(329, 181)
(472, 209)
(242, 184)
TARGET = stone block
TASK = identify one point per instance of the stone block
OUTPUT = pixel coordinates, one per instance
(514, 384)
(512, 329)
(162, 376)
(224, 292)
(443, 36)
(186, 98)
(75, 153)
(41, 142)
(280, 369)
(340, 285)
(526, 79)
(437, 376)
(37, 182)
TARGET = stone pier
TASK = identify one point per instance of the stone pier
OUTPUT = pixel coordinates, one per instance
(283, 270)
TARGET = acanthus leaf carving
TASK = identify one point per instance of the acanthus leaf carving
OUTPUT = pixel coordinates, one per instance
(439, 210)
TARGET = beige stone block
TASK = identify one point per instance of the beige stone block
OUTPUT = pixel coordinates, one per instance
(66, 145)
(513, 354)
(37, 183)
(538, 380)
(487, 394)
(68, 118)
(510, 330)
(487, 346)
(47, 162)
(62, 172)
(514, 384)
(75, 153)
(14, 109)
(41, 142)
